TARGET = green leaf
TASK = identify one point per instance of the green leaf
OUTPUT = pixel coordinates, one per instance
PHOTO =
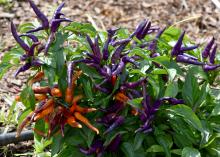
(23, 115)
(57, 53)
(155, 149)
(87, 88)
(171, 90)
(157, 71)
(4, 68)
(190, 152)
(189, 116)
(28, 98)
(11, 110)
(81, 28)
(135, 102)
(216, 110)
(165, 141)
(128, 149)
(190, 91)
(172, 73)
(89, 71)
(56, 144)
(70, 151)
(138, 140)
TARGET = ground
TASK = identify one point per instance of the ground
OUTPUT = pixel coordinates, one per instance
(200, 19)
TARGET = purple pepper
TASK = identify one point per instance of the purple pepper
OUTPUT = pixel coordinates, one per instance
(185, 59)
(139, 28)
(31, 36)
(97, 49)
(114, 144)
(207, 67)
(55, 23)
(102, 89)
(120, 68)
(41, 17)
(206, 51)
(36, 63)
(95, 148)
(144, 32)
(23, 68)
(94, 47)
(49, 41)
(152, 46)
(114, 108)
(18, 39)
(24, 57)
(146, 128)
(189, 48)
(134, 84)
(131, 60)
(190, 56)
(153, 55)
(119, 42)
(108, 119)
(116, 54)
(119, 121)
(57, 13)
(31, 51)
(213, 54)
(177, 47)
(70, 73)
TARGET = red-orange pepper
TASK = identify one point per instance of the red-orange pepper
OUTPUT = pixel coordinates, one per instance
(85, 121)
(36, 78)
(84, 110)
(69, 95)
(24, 123)
(113, 79)
(41, 90)
(44, 112)
(40, 97)
(56, 92)
(121, 97)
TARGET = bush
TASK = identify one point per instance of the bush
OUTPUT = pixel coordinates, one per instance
(121, 94)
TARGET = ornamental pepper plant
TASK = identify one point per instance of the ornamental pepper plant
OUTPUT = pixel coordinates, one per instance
(149, 92)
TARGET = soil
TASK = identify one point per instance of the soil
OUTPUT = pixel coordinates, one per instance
(200, 19)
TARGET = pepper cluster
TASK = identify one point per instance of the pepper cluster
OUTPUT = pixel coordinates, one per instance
(50, 108)
(209, 51)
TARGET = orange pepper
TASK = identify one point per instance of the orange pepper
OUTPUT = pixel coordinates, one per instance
(77, 98)
(44, 106)
(134, 111)
(41, 90)
(121, 97)
(17, 98)
(69, 95)
(84, 110)
(24, 123)
(41, 133)
(73, 107)
(72, 122)
(85, 121)
(36, 78)
(40, 97)
(44, 112)
(56, 92)
(76, 76)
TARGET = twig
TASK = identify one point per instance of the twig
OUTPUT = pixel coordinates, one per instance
(217, 3)
(188, 19)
